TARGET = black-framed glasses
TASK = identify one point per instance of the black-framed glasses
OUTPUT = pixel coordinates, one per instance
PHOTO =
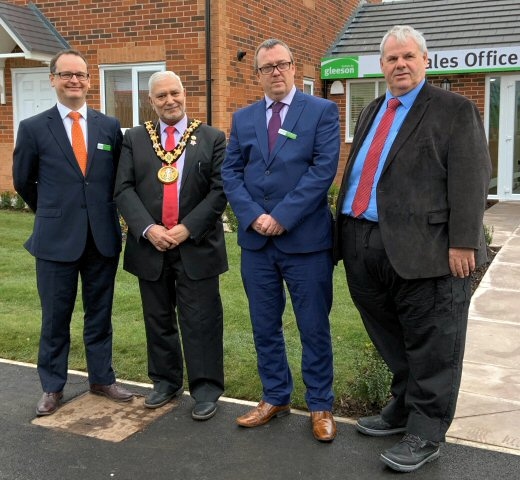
(281, 67)
(81, 76)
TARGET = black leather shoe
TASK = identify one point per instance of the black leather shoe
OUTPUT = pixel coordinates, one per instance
(375, 426)
(203, 410)
(410, 453)
(158, 399)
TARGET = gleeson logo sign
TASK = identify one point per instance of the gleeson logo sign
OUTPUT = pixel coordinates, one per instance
(448, 61)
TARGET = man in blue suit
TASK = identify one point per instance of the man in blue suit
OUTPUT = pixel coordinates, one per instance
(76, 227)
(276, 180)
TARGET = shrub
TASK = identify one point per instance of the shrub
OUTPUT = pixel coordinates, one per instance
(5, 200)
(488, 234)
(372, 378)
(332, 197)
(230, 219)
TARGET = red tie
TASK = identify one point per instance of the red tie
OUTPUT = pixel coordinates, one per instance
(78, 141)
(170, 211)
(364, 189)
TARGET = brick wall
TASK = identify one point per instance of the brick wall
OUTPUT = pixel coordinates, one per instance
(128, 31)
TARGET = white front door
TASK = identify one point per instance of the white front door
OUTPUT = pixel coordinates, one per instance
(32, 93)
(504, 136)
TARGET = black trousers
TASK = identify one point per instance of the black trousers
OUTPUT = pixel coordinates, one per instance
(198, 306)
(418, 326)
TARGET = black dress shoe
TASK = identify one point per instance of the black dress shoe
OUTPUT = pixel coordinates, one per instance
(410, 453)
(203, 410)
(158, 399)
(375, 426)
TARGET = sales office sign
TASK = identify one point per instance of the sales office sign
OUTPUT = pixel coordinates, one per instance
(447, 61)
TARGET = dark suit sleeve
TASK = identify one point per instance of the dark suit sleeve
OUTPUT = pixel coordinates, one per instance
(129, 203)
(25, 166)
(469, 168)
(208, 208)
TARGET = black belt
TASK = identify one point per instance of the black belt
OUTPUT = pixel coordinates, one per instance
(348, 218)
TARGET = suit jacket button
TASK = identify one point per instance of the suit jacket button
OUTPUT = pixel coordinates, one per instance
(268, 172)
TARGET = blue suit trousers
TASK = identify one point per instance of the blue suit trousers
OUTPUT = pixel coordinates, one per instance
(308, 278)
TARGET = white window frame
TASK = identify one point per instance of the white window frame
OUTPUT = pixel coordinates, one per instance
(135, 68)
(379, 89)
(309, 83)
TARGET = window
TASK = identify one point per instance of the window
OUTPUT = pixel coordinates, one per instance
(308, 86)
(360, 94)
(124, 92)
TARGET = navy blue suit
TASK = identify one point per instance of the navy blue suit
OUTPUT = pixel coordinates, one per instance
(76, 231)
(290, 183)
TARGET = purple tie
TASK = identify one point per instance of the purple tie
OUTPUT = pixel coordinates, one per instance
(274, 123)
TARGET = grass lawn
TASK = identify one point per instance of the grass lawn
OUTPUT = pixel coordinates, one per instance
(20, 320)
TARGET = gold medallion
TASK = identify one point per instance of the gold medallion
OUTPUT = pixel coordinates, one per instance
(168, 174)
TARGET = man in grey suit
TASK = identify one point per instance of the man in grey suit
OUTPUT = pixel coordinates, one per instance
(172, 199)
(408, 251)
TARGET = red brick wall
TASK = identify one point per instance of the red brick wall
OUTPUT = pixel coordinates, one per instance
(128, 31)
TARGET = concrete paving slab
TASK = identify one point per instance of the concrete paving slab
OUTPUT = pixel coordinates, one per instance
(499, 428)
(493, 343)
(492, 381)
(473, 405)
(99, 417)
(505, 274)
(497, 304)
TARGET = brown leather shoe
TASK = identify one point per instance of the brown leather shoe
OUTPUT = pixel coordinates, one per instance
(49, 403)
(262, 413)
(114, 392)
(323, 426)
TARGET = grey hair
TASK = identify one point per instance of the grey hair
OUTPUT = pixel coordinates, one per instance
(402, 33)
(268, 44)
(161, 76)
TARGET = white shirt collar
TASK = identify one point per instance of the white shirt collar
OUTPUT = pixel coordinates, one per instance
(64, 111)
(180, 126)
(287, 99)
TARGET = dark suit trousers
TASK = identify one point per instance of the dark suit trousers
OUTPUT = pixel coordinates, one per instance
(200, 318)
(418, 326)
(57, 287)
(309, 280)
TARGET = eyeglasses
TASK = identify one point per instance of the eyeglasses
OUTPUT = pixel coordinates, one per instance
(281, 67)
(81, 76)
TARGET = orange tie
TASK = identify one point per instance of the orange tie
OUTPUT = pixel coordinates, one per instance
(78, 142)
(170, 212)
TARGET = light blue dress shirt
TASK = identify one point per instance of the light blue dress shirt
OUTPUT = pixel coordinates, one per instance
(407, 101)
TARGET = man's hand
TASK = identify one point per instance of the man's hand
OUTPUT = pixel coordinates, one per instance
(462, 261)
(158, 236)
(177, 235)
(267, 225)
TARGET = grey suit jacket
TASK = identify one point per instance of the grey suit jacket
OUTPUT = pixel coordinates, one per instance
(139, 196)
(432, 192)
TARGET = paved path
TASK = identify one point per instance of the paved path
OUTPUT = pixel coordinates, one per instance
(488, 409)
(175, 447)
